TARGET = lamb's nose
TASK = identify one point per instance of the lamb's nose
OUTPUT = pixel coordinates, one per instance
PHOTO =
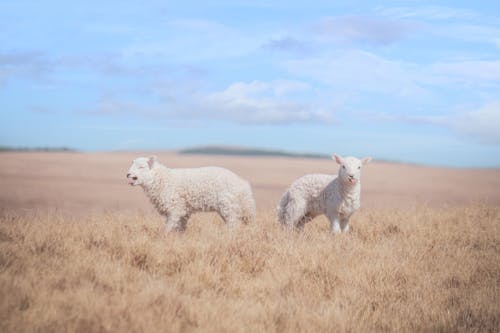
(351, 176)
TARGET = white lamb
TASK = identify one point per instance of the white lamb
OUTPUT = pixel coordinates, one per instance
(178, 193)
(338, 197)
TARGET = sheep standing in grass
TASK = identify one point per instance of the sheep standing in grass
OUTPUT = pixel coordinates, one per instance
(338, 197)
(178, 193)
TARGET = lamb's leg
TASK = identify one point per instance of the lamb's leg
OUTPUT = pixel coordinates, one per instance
(296, 212)
(231, 218)
(181, 226)
(300, 225)
(344, 225)
(282, 209)
(232, 222)
(176, 222)
(302, 222)
(334, 222)
(335, 226)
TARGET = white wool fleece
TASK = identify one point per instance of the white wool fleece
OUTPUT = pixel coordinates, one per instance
(178, 193)
(337, 197)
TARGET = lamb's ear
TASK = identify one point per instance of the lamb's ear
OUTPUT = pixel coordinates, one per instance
(338, 158)
(366, 160)
(151, 161)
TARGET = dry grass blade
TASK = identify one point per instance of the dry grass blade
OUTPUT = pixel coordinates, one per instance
(427, 269)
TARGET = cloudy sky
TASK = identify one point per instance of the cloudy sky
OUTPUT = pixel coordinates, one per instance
(412, 81)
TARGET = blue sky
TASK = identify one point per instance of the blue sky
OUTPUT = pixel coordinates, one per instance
(412, 81)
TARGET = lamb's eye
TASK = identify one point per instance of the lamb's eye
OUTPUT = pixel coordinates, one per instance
(343, 167)
(359, 168)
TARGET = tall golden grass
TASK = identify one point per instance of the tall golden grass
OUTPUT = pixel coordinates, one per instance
(424, 269)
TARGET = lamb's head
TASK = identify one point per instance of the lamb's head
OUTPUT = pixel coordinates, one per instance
(140, 171)
(350, 168)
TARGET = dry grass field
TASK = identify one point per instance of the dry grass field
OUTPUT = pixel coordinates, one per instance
(80, 251)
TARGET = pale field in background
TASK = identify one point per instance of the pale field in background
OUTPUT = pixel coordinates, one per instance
(82, 251)
(95, 182)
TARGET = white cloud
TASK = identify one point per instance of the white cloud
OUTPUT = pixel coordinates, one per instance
(110, 105)
(482, 125)
(360, 71)
(287, 43)
(409, 118)
(362, 29)
(468, 32)
(447, 23)
(192, 40)
(200, 25)
(259, 102)
(328, 33)
(471, 72)
(427, 12)
(256, 102)
(30, 65)
(477, 76)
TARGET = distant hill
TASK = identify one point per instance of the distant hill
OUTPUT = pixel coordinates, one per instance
(242, 151)
(37, 149)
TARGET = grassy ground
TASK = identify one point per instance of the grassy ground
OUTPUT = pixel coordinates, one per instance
(425, 269)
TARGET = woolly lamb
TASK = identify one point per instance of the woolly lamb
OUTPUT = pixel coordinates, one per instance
(338, 197)
(178, 193)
